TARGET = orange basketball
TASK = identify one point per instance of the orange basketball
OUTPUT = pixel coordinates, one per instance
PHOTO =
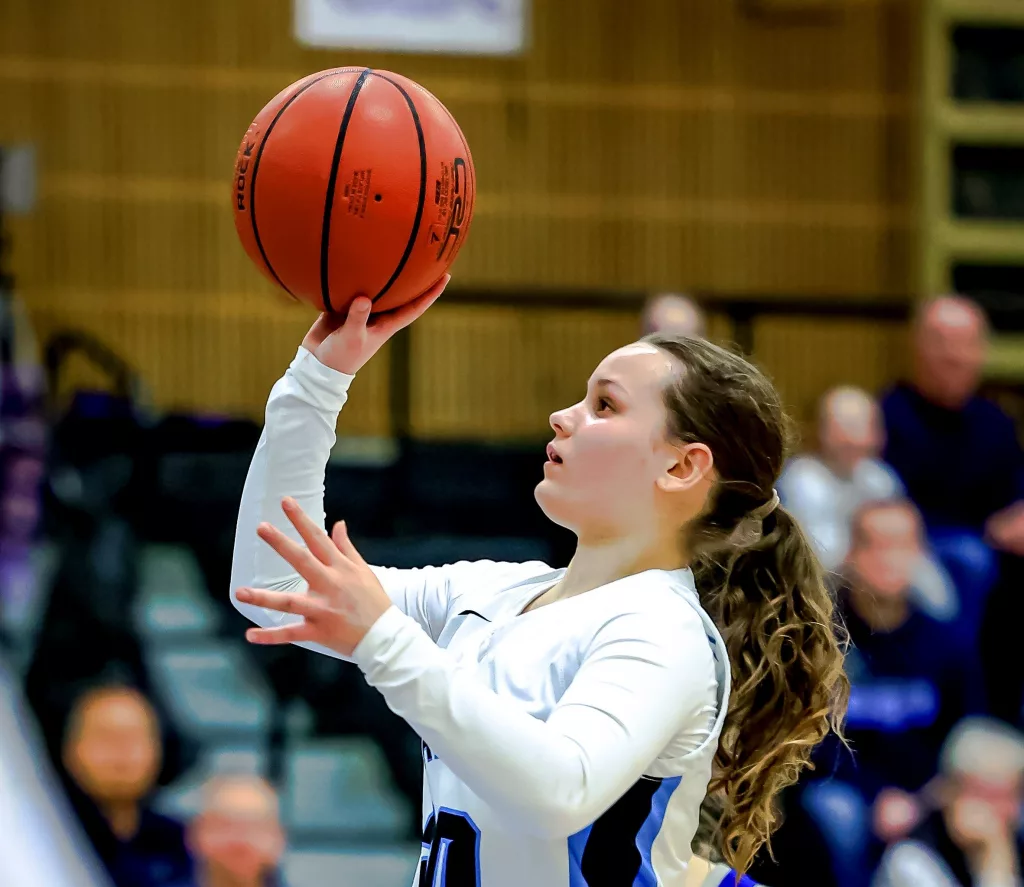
(353, 181)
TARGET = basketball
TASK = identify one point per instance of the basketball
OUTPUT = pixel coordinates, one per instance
(353, 181)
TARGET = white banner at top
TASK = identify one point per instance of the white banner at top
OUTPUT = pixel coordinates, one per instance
(478, 27)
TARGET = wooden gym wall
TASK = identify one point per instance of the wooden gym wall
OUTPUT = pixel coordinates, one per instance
(657, 143)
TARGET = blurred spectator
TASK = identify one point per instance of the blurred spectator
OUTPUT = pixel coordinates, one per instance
(938, 416)
(22, 449)
(112, 755)
(912, 679)
(961, 462)
(237, 840)
(824, 490)
(673, 313)
(973, 837)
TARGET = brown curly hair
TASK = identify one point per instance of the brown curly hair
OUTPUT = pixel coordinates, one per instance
(765, 589)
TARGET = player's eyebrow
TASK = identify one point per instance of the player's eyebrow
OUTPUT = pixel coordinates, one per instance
(610, 383)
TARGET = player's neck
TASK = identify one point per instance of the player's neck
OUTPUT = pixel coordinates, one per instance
(597, 564)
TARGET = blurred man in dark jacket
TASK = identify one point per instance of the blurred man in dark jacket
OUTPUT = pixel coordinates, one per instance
(912, 678)
(112, 756)
(960, 459)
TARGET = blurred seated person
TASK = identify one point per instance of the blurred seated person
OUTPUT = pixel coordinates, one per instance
(673, 313)
(961, 462)
(237, 839)
(22, 454)
(825, 489)
(112, 756)
(912, 678)
(967, 824)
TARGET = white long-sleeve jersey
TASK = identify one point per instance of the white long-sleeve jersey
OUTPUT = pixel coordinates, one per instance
(567, 746)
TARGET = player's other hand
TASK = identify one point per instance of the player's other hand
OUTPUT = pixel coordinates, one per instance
(344, 600)
(346, 343)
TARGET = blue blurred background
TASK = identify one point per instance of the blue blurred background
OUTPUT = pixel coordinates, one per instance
(797, 177)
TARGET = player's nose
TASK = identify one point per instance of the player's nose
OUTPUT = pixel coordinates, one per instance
(560, 422)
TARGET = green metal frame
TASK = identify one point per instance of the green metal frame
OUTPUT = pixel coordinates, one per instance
(944, 240)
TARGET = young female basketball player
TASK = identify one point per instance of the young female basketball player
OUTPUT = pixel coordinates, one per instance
(572, 719)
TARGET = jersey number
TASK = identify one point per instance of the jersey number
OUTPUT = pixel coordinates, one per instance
(451, 841)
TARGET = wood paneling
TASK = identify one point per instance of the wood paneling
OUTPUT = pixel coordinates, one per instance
(209, 353)
(497, 373)
(663, 143)
(805, 356)
(486, 372)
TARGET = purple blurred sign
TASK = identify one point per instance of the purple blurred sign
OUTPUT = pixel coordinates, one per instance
(478, 27)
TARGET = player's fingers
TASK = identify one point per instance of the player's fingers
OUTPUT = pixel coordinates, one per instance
(286, 634)
(309, 567)
(358, 312)
(393, 321)
(339, 536)
(314, 535)
(322, 327)
(281, 601)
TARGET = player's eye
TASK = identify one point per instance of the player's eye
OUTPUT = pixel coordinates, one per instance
(604, 405)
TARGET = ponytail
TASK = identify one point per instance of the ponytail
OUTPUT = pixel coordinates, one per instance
(769, 598)
(760, 580)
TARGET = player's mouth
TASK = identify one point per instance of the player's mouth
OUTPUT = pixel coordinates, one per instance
(552, 454)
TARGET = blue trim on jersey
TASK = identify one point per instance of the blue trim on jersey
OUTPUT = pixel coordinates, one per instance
(445, 842)
(649, 831)
(730, 881)
(577, 844)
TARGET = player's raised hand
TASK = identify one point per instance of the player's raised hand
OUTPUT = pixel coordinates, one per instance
(346, 343)
(344, 600)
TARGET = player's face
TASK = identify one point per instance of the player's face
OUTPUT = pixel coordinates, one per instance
(610, 448)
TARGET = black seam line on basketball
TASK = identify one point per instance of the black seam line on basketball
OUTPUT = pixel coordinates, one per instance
(325, 231)
(256, 169)
(423, 186)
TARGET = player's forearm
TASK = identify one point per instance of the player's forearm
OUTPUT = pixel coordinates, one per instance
(541, 780)
(290, 460)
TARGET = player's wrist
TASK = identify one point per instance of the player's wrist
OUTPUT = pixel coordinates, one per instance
(379, 638)
(327, 386)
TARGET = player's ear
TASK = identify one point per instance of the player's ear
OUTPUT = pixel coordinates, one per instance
(686, 466)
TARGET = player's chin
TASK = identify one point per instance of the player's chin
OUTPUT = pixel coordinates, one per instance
(552, 499)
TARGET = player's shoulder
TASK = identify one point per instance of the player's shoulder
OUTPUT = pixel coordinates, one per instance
(490, 587)
(658, 605)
